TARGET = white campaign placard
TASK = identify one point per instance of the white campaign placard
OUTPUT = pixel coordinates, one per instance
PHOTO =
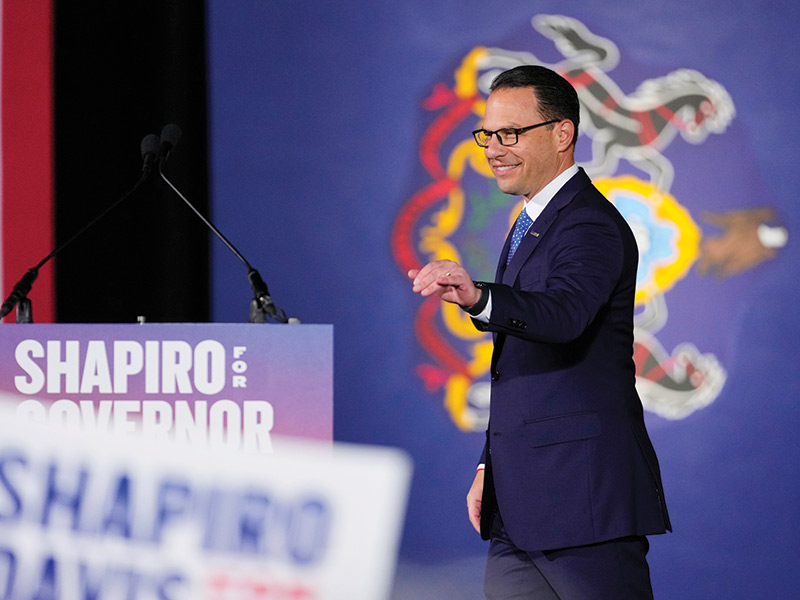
(93, 516)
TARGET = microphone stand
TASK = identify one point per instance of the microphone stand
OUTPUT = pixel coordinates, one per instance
(261, 306)
(19, 295)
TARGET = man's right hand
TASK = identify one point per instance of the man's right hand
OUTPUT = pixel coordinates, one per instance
(448, 280)
(474, 501)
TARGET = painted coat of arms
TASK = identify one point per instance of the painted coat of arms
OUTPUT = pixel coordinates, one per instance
(458, 213)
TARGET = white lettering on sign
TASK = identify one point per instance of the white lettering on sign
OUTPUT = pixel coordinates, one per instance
(166, 367)
(222, 424)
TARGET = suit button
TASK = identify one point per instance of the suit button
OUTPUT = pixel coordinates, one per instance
(495, 375)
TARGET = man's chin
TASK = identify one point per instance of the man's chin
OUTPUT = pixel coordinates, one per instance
(509, 188)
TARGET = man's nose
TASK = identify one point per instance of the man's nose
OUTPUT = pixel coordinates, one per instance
(494, 148)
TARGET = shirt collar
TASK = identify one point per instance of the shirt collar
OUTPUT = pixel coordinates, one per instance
(536, 205)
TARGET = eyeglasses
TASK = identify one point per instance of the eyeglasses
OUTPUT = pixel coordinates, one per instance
(507, 136)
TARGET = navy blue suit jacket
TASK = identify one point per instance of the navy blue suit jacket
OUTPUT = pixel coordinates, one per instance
(568, 459)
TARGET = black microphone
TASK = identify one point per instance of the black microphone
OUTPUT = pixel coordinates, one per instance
(170, 135)
(262, 304)
(150, 150)
(20, 291)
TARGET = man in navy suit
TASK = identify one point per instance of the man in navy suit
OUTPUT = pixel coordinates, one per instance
(569, 484)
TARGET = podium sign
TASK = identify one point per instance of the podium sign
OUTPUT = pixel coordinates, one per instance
(231, 386)
(87, 511)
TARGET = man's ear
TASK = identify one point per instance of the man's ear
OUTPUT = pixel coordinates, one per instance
(566, 131)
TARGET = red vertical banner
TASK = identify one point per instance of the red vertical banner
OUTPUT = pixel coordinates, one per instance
(26, 153)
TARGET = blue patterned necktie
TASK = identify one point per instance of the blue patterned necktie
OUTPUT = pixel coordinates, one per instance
(520, 229)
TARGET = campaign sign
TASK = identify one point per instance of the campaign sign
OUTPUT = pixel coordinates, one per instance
(95, 516)
(223, 385)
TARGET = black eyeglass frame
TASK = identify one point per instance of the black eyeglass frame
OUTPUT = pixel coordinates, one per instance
(516, 131)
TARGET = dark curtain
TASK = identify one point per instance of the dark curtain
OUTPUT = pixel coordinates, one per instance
(123, 70)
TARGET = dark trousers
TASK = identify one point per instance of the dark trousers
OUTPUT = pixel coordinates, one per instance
(612, 570)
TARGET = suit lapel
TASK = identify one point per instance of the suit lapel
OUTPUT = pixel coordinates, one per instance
(501, 265)
(508, 274)
(536, 233)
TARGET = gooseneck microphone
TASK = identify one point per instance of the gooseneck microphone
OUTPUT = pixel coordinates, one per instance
(19, 295)
(262, 305)
(150, 151)
(170, 135)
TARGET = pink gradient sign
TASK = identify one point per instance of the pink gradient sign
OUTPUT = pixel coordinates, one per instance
(224, 385)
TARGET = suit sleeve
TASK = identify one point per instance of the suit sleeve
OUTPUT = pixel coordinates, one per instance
(555, 300)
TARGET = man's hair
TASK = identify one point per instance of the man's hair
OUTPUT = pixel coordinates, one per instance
(556, 97)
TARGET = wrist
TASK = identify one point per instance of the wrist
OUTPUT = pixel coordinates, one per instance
(476, 308)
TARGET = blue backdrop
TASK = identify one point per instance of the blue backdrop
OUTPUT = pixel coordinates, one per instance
(335, 131)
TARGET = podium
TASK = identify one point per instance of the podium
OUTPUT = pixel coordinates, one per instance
(223, 385)
(188, 506)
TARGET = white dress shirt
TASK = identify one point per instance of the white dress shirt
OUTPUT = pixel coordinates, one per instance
(535, 206)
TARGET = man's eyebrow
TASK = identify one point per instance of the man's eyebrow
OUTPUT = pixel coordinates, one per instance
(512, 126)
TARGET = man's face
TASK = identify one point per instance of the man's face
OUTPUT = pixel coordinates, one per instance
(526, 167)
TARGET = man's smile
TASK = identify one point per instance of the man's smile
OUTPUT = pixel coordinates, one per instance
(501, 169)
